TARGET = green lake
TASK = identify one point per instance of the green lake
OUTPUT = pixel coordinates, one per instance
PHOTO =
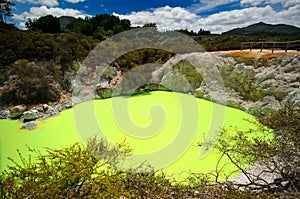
(167, 125)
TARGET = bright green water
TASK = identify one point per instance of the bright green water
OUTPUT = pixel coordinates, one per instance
(161, 112)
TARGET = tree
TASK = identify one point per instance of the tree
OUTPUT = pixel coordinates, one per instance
(126, 24)
(47, 24)
(74, 172)
(5, 9)
(273, 152)
(203, 32)
(150, 25)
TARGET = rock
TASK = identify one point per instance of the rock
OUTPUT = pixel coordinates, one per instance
(45, 107)
(259, 173)
(69, 105)
(29, 125)
(40, 109)
(60, 107)
(271, 102)
(17, 111)
(52, 111)
(203, 93)
(176, 82)
(293, 97)
(30, 115)
(234, 104)
(104, 93)
(4, 114)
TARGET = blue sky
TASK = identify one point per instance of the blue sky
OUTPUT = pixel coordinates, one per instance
(216, 16)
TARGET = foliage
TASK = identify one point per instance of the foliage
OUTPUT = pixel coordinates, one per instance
(29, 83)
(274, 151)
(16, 44)
(141, 56)
(74, 173)
(100, 26)
(66, 173)
(150, 25)
(47, 24)
(286, 150)
(190, 73)
(64, 21)
(5, 10)
(34, 65)
(192, 33)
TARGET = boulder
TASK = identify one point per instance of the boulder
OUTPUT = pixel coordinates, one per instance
(17, 111)
(293, 96)
(30, 115)
(52, 111)
(234, 104)
(69, 105)
(271, 102)
(45, 107)
(4, 114)
(176, 82)
(29, 125)
(104, 93)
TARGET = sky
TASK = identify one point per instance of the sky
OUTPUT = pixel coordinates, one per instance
(216, 16)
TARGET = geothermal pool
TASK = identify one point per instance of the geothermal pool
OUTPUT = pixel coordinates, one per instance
(163, 127)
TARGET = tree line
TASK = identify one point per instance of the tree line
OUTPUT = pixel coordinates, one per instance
(99, 26)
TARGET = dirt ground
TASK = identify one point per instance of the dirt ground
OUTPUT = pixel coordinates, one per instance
(255, 53)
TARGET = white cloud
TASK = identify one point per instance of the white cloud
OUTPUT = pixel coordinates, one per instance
(22, 24)
(284, 3)
(291, 3)
(227, 20)
(50, 3)
(168, 18)
(290, 16)
(74, 1)
(206, 5)
(36, 12)
(252, 2)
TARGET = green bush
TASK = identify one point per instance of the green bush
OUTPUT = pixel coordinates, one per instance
(29, 83)
(74, 173)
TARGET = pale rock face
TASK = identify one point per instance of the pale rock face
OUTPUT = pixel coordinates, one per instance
(257, 87)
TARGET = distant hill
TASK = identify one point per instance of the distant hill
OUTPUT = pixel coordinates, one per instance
(265, 29)
(64, 21)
